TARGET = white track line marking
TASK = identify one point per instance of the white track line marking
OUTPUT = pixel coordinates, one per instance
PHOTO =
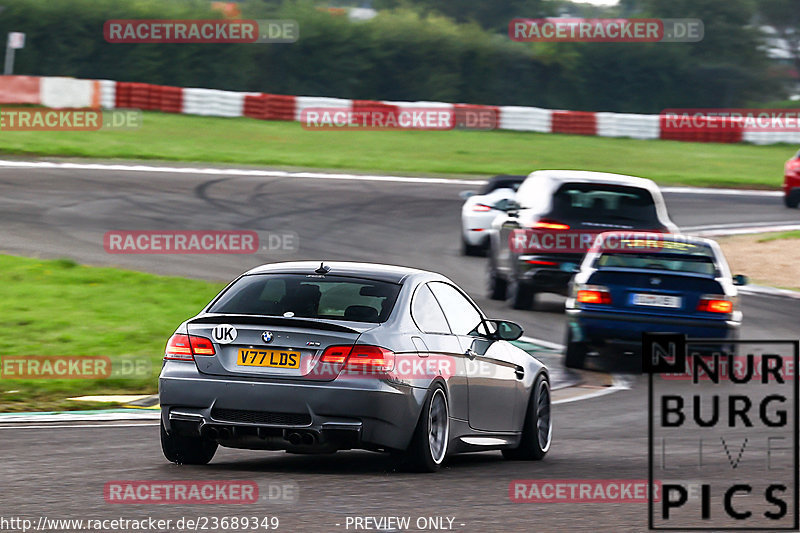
(745, 230)
(618, 383)
(66, 426)
(322, 175)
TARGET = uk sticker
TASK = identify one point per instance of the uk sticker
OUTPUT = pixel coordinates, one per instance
(224, 333)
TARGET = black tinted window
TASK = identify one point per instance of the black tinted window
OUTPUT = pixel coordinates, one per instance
(308, 296)
(427, 313)
(597, 202)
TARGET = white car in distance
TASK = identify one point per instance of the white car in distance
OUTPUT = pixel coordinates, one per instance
(481, 208)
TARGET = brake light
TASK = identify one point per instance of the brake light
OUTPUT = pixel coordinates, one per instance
(182, 347)
(540, 262)
(793, 165)
(593, 294)
(178, 348)
(335, 355)
(370, 358)
(713, 305)
(481, 207)
(201, 345)
(550, 224)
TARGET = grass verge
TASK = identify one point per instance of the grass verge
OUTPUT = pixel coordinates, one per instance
(247, 141)
(61, 308)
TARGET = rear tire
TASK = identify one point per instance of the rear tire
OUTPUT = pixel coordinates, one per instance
(497, 287)
(428, 448)
(792, 199)
(187, 450)
(574, 353)
(471, 249)
(537, 433)
(520, 295)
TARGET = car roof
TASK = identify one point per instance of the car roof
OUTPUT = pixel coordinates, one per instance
(672, 237)
(372, 271)
(585, 176)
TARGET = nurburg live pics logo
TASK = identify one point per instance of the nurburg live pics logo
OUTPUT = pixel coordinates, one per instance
(736, 432)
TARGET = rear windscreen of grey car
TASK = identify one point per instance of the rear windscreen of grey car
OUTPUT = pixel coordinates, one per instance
(309, 296)
(604, 203)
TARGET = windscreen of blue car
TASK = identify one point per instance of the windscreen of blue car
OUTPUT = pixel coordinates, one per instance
(700, 263)
(309, 296)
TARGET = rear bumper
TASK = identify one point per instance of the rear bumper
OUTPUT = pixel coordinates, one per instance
(473, 237)
(546, 277)
(362, 413)
(614, 335)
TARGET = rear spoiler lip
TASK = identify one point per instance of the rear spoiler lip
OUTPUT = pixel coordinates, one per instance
(261, 320)
(656, 272)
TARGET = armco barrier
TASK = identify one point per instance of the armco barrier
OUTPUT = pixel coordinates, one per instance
(69, 93)
(575, 122)
(719, 130)
(108, 94)
(60, 92)
(304, 102)
(628, 125)
(526, 119)
(269, 106)
(20, 90)
(483, 117)
(280, 107)
(212, 102)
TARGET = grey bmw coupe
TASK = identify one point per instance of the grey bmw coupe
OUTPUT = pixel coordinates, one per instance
(319, 357)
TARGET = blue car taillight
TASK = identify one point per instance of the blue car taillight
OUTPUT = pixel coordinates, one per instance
(593, 294)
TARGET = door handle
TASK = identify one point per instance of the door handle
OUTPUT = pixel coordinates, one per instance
(520, 372)
(471, 354)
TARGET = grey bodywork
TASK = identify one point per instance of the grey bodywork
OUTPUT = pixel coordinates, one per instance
(488, 393)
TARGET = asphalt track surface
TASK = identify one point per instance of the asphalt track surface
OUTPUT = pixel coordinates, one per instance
(60, 473)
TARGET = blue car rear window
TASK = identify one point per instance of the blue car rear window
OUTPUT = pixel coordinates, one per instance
(697, 264)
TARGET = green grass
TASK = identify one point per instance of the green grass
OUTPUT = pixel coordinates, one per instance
(61, 308)
(780, 236)
(254, 142)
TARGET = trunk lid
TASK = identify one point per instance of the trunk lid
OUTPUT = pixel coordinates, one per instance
(272, 347)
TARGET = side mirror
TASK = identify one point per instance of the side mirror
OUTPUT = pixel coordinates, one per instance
(740, 279)
(467, 194)
(499, 330)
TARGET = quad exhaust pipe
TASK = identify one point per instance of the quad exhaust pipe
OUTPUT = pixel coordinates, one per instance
(306, 438)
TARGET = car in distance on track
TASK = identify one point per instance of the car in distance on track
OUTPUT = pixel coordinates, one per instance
(481, 208)
(538, 243)
(309, 357)
(791, 181)
(632, 283)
